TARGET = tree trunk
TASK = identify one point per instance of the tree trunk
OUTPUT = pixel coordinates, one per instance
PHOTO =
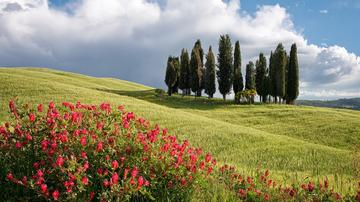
(224, 96)
(169, 91)
(210, 96)
(275, 99)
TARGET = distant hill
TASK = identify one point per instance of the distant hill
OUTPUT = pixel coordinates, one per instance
(351, 103)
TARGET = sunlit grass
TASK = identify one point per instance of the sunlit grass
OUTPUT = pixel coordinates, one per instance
(294, 142)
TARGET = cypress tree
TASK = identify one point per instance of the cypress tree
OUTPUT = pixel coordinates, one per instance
(195, 71)
(210, 87)
(272, 77)
(250, 77)
(176, 62)
(260, 75)
(293, 76)
(280, 66)
(197, 45)
(184, 79)
(225, 65)
(170, 76)
(266, 88)
(238, 83)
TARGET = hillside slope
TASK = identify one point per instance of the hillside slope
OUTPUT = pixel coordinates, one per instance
(308, 141)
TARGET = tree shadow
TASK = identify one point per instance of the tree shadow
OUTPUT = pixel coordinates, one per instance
(174, 101)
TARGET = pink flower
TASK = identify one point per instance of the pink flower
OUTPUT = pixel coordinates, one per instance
(32, 117)
(83, 155)
(140, 181)
(10, 176)
(86, 165)
(60, 161)
(99, 147)
(51, 105)
(40, 108)
(18, 145)
(55, 195)
(83, 141)
(85, 180)
(134, 172)
(126, 172)
(43, 188)
(114, 164)
(266, 197)
(115, 178)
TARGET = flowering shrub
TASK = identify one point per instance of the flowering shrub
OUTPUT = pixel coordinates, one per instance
(94, 152)
(262, 188)
(86, 152)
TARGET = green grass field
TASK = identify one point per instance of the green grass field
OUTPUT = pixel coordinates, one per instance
(292, 141)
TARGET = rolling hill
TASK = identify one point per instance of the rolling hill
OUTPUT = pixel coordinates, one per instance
(293, 141)
(350, 103)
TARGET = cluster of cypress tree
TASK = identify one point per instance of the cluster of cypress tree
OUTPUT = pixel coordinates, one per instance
(280, 80)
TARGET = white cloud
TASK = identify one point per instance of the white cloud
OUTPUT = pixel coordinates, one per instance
(324, 11)
(132, 39)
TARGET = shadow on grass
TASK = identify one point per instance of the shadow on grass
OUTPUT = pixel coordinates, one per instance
(174, 101)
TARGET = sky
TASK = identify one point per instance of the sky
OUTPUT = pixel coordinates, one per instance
(131, 39)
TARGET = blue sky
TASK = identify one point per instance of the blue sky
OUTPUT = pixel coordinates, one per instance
(322, 21)
(131, 39)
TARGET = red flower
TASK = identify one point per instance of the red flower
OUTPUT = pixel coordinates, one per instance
(207, 158)
(134, 172)
(40, 108)
(10, 176)
(99, 147)
(18, 145)
(32, 117)
(140, 181)
(311, 187)
(114, 164)
(266, 197)
(126, 172)
(60, 161)
(55, 195)
(51, 105)
(115, 178)
(83, 155)
(85, 180)
(183, 181)
(83, 141)
(86, 165)
(43, 188)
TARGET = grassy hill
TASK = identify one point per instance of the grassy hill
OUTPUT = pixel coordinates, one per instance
(293, 141)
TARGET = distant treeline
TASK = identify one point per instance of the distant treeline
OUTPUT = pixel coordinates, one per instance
(277, 82)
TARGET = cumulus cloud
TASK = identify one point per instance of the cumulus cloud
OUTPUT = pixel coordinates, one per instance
(132, 39)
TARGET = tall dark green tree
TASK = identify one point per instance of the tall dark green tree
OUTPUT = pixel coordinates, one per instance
(210, 87)
(225, 65)
(197, 45)
(176, 62)
(170, 76)
(260, 75)
(280, 66)
(238, 83)
(184, 79)
(250, 77)
(195, 71)
(293, 76)
(272, 77)
(266, 88)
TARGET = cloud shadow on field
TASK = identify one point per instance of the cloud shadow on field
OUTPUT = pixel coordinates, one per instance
(176, 101)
